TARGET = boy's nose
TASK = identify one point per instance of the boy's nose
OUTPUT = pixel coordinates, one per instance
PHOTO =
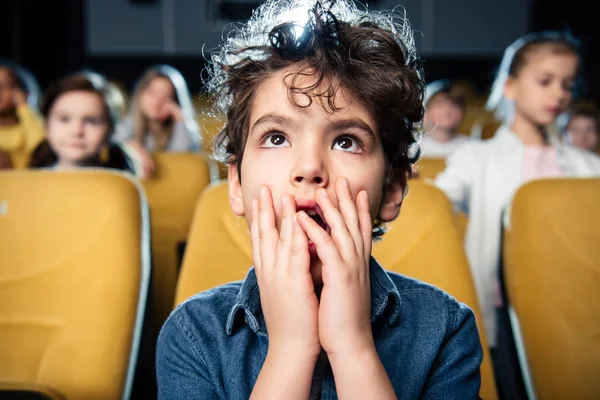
(310, 169)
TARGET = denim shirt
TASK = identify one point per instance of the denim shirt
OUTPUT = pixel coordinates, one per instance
(214, 344)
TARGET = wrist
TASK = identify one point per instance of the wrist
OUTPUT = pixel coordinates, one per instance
(358, 343)
(290, 361)
(357, 354)
(285, 352)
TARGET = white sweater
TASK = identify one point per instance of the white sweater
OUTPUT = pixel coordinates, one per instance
(481, 178)
(431, 148)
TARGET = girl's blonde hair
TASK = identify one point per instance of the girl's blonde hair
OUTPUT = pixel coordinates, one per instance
(182, 98)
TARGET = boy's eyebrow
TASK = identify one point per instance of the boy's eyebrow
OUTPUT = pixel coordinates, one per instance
(339, 125)
(357, 123)
(271, 118)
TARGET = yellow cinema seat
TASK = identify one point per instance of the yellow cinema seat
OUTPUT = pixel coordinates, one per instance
(74, 275)
(29, 391)
(552, 275)
(210, 126)
(173, 193)
(218, 249)
(424, 243)
(20, 160)
(429, 168)
(485, 127)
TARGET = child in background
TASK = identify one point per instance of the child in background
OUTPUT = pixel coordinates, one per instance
(21, 130)
(444, 112)
(322, 101)
(580, 126)
(162, 117)
(79, 124)
(533, 86)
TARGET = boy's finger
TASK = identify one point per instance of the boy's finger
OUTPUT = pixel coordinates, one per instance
(326, 247)
(365, 222)
(286, 230)
(348, 209)
(254, 235)
(299, 257)
(339, 231)
(267, 232)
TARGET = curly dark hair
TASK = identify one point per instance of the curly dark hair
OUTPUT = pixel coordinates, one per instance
(369, 54)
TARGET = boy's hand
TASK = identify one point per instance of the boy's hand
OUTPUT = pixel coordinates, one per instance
(287, 294)
(345, 306)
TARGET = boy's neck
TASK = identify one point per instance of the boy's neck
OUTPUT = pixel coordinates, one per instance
(528, 132)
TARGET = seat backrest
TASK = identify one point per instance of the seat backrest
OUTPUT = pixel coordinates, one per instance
(74, 273)
(173, 193)
(552, 275)
(20, 159)
(425, 245)
(485, 127)
(218, 250)
(210, 126)
(429, 168)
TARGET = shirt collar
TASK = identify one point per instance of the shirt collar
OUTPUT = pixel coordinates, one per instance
(385, 300)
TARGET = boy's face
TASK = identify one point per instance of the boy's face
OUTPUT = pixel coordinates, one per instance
(443, 113)
(582, 132)
(295, 151)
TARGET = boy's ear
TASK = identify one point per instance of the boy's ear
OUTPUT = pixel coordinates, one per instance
(236, 200)
(393, 195)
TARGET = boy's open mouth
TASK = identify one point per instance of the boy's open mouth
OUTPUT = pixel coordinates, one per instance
(316, 214)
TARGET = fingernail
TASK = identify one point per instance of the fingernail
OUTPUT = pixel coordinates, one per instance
(284, 199)
(345, 183)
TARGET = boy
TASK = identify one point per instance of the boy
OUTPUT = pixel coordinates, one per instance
(319, 144)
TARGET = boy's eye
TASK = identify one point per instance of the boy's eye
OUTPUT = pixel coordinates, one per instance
(64, 118)
(275, 140)
(346, 143)
(544, 82)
